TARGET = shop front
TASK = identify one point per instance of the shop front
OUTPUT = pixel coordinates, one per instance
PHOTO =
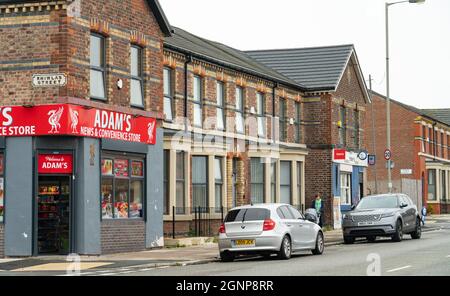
(348, 176)
(78, 180)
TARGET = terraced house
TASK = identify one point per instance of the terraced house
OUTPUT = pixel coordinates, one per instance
(233, 133)
(420, 153)
(335, 104)
(81, 142)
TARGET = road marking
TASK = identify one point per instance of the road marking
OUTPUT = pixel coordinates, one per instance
(146, 269)
(108, 274)
(398, 269)
(125, 272)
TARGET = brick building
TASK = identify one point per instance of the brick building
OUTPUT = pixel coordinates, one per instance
(233, 131)
(335, 107)
(81, 104)
(420, 142)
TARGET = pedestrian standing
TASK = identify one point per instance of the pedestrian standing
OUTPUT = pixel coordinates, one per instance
(424, 214)
(318, 205)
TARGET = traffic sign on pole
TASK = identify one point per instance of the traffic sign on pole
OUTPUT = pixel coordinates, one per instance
(387, 154)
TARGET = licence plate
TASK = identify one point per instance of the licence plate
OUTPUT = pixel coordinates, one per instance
(365, 223)
(244, 243)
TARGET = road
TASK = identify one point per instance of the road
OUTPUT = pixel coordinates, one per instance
(429, 256)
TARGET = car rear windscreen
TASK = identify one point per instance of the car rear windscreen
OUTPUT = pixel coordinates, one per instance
(244, 215)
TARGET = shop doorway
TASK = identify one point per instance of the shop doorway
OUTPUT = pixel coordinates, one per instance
(54, 215)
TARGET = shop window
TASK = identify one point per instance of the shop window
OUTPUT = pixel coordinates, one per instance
(166, 182)
(220, 109)
(346, 189)
(200, 181)
(283, 120)
(218, 176)
(257, 180)
(97, 65)
(285, 182)
(2, 187)
(198, 101)
(168, 94)
(137, 77)
(299, 183)
(260, 112)
(240, 110)
(180, 182)
(273, 181)
(122, 188)
(432, 185)
(298, 119)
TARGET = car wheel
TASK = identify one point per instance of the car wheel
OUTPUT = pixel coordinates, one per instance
(348, 240)
(371, 239)
(227, 256)
(417, 234)
(286, 248)
(398, 236)
(320, 244)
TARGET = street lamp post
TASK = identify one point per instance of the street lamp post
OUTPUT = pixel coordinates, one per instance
(388, 99)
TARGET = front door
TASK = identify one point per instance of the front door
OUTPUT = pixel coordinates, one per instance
(54, 215)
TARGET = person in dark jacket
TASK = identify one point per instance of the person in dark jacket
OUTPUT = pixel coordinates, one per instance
(318, 205)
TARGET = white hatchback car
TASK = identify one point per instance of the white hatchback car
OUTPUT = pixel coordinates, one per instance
(266, 229)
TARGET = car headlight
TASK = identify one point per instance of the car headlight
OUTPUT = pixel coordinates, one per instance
(387, 215)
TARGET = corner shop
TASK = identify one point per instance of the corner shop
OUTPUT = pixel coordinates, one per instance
(80, 150)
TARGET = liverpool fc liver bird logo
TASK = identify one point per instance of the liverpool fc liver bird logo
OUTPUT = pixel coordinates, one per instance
(151, 131)
(74, 119)
(54, 118)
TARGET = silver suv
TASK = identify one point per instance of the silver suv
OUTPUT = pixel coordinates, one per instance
(390, 215)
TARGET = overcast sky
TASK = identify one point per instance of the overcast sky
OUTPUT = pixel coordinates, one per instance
(420, 36)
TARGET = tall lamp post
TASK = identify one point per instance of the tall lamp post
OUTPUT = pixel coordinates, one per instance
(388, 100)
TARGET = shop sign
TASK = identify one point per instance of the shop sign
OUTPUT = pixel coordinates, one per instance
(406, 172)
(48, 80)
(339, 154)
(348, 158)
(55, 164)
(372, 159)
(73, 120)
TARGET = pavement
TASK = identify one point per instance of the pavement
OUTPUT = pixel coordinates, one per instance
(152, 259)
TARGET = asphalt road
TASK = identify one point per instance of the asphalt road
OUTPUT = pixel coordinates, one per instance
(429, 256)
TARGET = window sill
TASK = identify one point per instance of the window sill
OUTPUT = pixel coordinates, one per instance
(141, 107)
(102, 100)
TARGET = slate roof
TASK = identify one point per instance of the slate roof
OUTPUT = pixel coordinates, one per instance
(442, 115)
(154, 5)
(224, 55)
(316, 68)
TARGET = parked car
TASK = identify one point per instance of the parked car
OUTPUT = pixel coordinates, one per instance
(388, 215)
(266, 229)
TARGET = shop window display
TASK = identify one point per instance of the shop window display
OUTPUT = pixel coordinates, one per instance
(122, 188)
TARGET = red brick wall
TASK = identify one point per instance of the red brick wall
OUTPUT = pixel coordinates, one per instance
(322, 134)
(404, 154)
(50, 42)
(118, 236)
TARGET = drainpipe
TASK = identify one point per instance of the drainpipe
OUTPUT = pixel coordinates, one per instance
(186, 94)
